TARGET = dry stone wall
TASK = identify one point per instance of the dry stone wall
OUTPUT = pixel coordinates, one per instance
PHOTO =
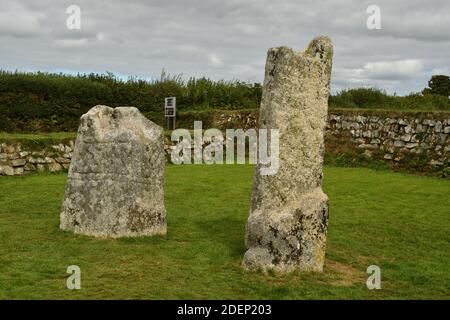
(393, 137)
(18, 159)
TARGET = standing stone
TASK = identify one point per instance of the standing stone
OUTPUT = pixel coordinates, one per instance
(116, 178)
(287, 226)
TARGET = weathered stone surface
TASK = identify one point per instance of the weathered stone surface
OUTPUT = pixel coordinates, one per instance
(7, 170)
(29, 167)
(62, 160)
(116, 178)
(287, 226)
(36, 160)
(18, 171)
(54, 167)
(18, 162)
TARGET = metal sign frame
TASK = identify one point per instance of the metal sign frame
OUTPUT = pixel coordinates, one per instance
(170, 110)
(170, 107)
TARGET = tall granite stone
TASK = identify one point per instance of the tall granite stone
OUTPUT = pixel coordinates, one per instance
(116, 177)
(287, 226)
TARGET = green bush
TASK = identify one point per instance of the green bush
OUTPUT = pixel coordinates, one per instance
(33, 102)
(44, 102)
(372, 98)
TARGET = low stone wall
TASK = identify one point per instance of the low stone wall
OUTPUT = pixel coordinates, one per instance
(418, 141)
(17, 159)
(394, 137)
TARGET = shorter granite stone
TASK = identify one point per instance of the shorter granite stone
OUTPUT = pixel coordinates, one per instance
(116, 177)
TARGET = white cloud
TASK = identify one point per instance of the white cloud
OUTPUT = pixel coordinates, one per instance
(17, 21)
(392, 70)
(229, 39)
(71, 43)
(215, 60)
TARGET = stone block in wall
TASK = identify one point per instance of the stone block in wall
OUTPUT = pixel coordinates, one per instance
(411, 145)
(38, 153)
(54, 167)
(419, 128)
(49, 160)
(8, 148)
(62, 160)
(436, 163)
(18, 162)
(29, 167)
(429, 122)
(36, 160)
(368, 146)
(406, 137)
(361, 119)
(7, 170)
(59, 147)
(442, 138)
(408, 129)
(13, 156)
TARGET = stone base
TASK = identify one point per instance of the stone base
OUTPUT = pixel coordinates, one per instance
(151, 231)
(289, 238)
(115, 206)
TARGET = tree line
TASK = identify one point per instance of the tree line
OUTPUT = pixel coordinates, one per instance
(54, 102)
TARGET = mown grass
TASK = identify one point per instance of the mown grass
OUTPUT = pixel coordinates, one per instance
(37, 136)
(396, 221)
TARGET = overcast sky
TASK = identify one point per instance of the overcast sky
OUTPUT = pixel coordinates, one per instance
(223, 39)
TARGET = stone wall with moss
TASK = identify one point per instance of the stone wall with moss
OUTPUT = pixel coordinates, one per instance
(18, 158)
(412, 141)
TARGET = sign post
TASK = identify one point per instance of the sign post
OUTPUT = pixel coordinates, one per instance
(170, 110)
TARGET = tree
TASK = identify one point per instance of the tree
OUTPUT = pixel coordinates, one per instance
(438, 84)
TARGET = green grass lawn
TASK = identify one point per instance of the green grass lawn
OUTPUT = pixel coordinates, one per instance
(397, 221)
(4, 136)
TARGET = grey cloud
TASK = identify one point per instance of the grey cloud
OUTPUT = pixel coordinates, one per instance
(229, 39)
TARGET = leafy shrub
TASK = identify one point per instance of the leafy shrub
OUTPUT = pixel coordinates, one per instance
(54, 102)
(372, 98)
(44, 102)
